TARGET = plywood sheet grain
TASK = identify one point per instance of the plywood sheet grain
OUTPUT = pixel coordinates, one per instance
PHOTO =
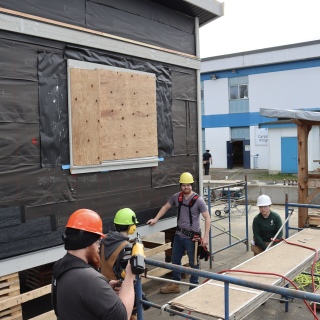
(85, 115)
(128, 115)
(281, 259)
(209, 299)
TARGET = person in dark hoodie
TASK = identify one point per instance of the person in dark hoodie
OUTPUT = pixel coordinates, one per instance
(79, 291)
(115, 247)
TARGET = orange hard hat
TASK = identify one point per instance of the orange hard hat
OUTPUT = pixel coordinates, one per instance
(87, 220)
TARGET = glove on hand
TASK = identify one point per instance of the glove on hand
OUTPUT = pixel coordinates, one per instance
(203, 252)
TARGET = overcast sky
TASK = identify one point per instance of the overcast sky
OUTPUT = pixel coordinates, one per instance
(256, 24)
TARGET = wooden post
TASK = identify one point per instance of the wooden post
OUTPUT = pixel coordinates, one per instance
(303, 131)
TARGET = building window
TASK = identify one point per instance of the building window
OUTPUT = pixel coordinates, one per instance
(240, 133)
(238, 94)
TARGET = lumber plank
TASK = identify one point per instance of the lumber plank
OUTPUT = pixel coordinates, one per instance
(9, 276)
(159, 272)
(313, 183)
(70, 26)
(128, 115)
(25, 297)
(85, 116)
(314, 220)
(150, 244)
(157, 249)
(9, 311)
(46, 316)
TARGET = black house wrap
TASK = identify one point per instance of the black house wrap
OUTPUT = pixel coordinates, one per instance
(36, 195)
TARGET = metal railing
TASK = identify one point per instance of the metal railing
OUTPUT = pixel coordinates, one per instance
(290, 211)
(219, 277)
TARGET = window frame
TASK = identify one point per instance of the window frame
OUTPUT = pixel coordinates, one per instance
(238, 85)
(110, 165)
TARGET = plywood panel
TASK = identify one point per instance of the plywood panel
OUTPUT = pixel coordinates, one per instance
(128, 115)
(281, 259)
(85, 112)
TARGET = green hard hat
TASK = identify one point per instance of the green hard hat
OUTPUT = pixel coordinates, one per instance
(125, 217)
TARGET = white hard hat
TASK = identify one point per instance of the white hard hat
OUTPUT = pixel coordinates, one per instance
(263, 201)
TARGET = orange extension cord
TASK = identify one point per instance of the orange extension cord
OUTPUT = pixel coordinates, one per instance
(278, 275)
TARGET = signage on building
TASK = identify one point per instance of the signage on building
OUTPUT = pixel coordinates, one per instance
(262, 137)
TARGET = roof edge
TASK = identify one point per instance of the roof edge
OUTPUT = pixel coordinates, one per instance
(243, 53)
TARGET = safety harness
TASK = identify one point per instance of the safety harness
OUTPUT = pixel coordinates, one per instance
(190, 205)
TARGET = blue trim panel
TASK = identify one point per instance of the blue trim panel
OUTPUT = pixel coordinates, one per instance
(301, 64)
(284, 125)
(233, 120)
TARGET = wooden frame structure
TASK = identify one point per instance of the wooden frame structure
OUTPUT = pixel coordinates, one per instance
(305, 180)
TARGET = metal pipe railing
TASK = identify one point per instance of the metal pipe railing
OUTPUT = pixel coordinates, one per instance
(245, 283)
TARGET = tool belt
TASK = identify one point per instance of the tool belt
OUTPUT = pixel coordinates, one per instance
(189, 233)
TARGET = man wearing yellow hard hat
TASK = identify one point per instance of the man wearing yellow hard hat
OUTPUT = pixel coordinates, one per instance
(189, 206)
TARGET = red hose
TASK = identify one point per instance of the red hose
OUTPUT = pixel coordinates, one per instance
(279, 275)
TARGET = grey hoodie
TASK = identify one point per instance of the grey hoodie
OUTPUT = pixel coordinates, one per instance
(111, 243)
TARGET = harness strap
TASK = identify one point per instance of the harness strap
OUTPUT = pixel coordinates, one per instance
(190, 205)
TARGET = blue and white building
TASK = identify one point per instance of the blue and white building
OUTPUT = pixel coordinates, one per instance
(235, 87)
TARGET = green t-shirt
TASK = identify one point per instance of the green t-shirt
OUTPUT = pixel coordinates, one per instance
(266, 228)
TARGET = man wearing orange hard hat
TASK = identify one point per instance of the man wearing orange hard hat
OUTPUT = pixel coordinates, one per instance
(79, 291)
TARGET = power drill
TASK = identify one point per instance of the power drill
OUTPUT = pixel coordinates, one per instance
(137, 259)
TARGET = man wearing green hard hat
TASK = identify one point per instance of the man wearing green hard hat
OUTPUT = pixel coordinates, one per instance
(116, 249)
(116, 246)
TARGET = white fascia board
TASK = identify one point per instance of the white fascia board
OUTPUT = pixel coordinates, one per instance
(222, 64)
(262, 58)
(161, 225)
(285, 55)
(53, 32)
(41, 257)
(111, 166)
(212, 6)
(31, 260)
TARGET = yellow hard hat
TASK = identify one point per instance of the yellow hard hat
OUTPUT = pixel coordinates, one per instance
(186, 177)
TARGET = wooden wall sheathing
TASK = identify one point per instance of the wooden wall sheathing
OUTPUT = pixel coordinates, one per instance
(128, 115)
(85, 112)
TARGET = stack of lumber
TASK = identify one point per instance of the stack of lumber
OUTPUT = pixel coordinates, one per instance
(10, 287)
(39, 276)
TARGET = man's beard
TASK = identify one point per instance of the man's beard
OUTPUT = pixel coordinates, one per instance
(187, 191)
(93, 258)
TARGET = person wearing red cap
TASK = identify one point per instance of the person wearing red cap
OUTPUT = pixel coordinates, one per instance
(79, 291)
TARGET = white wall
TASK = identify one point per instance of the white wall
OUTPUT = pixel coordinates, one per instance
(313, 148)
(216, 142)
(216, 96)
(275, 135)
(292, 89)
(261, 58)
(262, 151)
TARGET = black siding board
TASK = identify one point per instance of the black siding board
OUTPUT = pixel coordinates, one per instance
(29, 229)
(10, 217)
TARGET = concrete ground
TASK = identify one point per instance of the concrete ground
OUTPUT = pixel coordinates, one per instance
(227, 259)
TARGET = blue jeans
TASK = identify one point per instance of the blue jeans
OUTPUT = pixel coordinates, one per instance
(180, 245)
